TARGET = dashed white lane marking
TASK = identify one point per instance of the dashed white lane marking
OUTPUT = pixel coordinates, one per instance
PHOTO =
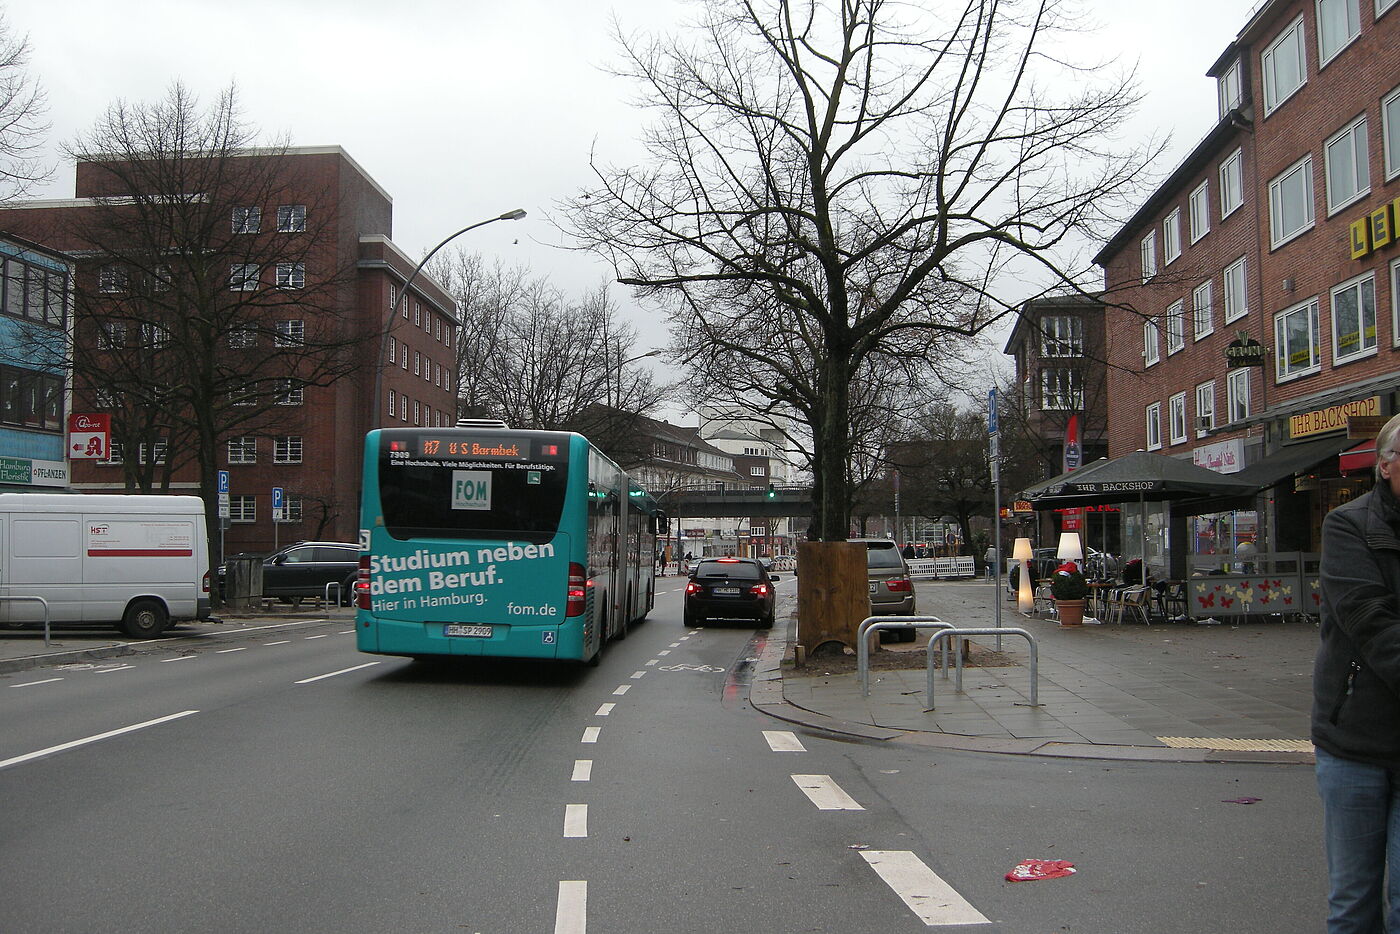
(603, 710)
(332, 674)
(283, 642)
(344, 632)
(575, 820)
(226, 651)
(622, 689)
(590, 734)
(684, 639)
(178, 658)
(62, 747)
(674, 645)
(30, 684)
(652, 662)
(664, 652)
(638, 674)
(107, 671)
(571, 913)
(321, 636)
(923, 890)
(783, 741)
(583, 770)
(825, 793)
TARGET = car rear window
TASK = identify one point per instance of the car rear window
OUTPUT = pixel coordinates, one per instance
(741, 570)
(882, 556)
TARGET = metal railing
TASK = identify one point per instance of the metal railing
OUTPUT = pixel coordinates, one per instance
(879, 623)
(46, 613)
(982, 631)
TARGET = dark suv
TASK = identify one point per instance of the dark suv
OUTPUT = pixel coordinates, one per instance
(304, 569)
(729, 588)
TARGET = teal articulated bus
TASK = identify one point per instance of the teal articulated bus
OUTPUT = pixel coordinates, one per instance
(492, 541)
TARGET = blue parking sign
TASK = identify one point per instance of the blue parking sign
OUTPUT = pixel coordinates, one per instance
(277, 497)
(223, 481)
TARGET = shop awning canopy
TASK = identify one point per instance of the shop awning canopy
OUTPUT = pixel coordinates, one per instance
(1359, 459)
(1272, 470)
(1142, 476)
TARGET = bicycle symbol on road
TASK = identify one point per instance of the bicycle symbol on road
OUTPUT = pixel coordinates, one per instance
(704, 668)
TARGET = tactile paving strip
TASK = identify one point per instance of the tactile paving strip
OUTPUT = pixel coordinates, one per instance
(1238, 745)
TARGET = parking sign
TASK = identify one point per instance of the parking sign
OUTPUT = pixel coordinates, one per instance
(277, 504)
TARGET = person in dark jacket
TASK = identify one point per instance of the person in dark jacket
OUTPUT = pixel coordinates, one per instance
(1356, 701)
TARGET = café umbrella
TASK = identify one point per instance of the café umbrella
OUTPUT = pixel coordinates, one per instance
(1142, 476)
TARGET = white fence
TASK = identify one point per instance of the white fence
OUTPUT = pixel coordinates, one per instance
(942, 568)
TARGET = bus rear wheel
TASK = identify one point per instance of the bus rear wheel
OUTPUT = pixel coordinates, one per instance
(145, 619)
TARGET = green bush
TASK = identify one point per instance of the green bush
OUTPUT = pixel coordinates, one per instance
(1067, 583)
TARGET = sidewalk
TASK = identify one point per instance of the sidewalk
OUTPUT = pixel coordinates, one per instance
(1172, 691)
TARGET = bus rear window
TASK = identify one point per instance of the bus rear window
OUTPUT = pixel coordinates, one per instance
(471, 498)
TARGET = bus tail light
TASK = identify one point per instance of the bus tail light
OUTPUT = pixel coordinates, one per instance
(578, 590)
(899, 585)
(362, 584)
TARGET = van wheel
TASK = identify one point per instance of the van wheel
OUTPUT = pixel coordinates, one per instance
(145, 619)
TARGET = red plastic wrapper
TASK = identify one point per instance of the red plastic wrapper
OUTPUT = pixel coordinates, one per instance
(1029, 870)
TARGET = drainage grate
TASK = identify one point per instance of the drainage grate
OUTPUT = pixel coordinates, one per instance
(1238, 745)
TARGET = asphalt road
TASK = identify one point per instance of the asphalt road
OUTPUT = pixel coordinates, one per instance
(281, 781)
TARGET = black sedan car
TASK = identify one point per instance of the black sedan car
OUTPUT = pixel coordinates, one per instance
(729, 588)
(304, 569)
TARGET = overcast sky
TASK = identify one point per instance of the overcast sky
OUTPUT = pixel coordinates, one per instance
(464, 109)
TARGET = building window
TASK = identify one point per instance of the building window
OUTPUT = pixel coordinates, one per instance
(291, 507)
(247, 220)
(1151, 351)
(1202, 314)
(417, 413)
(288, 392)
(1390, 129)
(1354, 319)
(447, 336)
(291, 218)
(1395, 301)
(1383, 5)
(242, 338)
(109, 279)
(1061, 389)
(1231, 183)
(417, 363)
(393, 348)
(1176, 327)
(290, 333)
(153, 336)
(1171, 236)
(243, 277)
(243, 450)
(1205, 409)
(31, 399)
(1200, 211)
(157, 452)
(437, 374)
(1236, 291)
(393, 297)
(245, 396)
(1284, 67)
(393, 403)
(242, 507)
(1291, 202)
(1295, 341)
(286, 449)
(1338, 22)
(758, 472)
(1176, 418)
(1348, 166)
(437, 329)
(115, 455)
(1148, 251)
(1154, 426)
(291, 275)
(111, 335)
(1227, 88)
(417, 314)
(1237, 388)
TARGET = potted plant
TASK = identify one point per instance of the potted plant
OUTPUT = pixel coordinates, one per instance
(1068, 587)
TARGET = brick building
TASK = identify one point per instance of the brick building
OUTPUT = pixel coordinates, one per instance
(1252, 297)
(340, 283)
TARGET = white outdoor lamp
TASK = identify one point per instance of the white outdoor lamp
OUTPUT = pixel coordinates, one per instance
(1070, 549)
(1025, 599)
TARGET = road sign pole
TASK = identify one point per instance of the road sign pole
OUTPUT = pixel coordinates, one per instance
(995, 449)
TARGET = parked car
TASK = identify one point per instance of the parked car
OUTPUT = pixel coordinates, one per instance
(729, 588)
(891, 589)
(304, 569)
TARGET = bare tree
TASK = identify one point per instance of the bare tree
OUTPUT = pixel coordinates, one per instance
(205, 304)
(22, 125)
(835, 179)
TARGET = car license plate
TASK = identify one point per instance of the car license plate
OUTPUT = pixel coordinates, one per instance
(464, 629)
(727, 591)
(874, 586)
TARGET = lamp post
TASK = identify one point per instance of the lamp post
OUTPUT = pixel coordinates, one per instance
(514, 215)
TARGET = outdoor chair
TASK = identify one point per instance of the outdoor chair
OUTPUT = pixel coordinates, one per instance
(1130, 601)
(1043, 600)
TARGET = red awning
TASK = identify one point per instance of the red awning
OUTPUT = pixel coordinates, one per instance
(1359, 459)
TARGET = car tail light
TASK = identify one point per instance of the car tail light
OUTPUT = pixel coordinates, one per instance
(900, 585)
(691, 588)
(759, 590)
(206, 582)
(578, 590)
(362, 584)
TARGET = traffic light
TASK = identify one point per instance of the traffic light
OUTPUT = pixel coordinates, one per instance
(772, 493)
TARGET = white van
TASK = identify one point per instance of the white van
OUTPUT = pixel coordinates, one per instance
(131, 560)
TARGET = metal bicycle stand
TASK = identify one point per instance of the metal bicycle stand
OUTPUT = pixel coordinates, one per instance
(46, 613)
(879, 623)
(1001, 631)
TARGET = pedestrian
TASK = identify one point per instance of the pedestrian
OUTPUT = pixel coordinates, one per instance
(990, 559)
(1356, 701)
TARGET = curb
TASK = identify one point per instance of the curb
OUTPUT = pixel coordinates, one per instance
(766, 696)
(26, 662)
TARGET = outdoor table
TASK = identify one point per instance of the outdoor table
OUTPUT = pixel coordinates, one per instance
(1098, 593)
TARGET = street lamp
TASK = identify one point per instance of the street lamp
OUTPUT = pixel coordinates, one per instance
(514, 215)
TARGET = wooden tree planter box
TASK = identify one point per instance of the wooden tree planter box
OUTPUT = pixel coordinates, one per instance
(833, 594)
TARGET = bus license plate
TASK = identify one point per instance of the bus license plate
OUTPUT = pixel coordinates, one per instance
(464, 629)
(727, 591)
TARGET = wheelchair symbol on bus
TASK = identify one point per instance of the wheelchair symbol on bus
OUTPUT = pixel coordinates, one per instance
(548, 638)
